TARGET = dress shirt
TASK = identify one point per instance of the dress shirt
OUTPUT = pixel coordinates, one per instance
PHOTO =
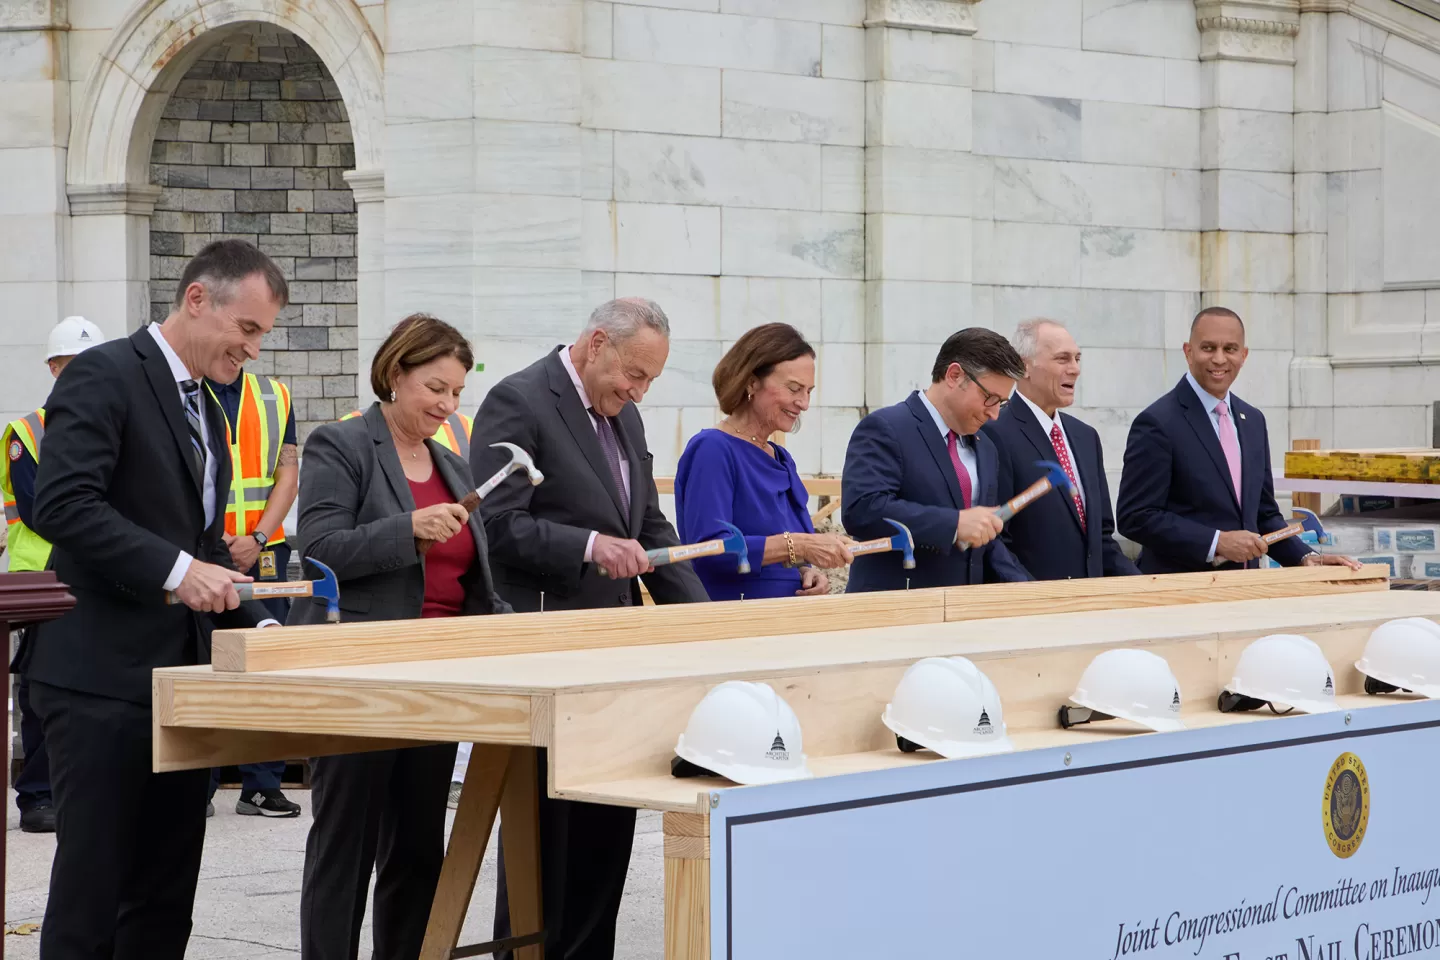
(1211, 402)
(585, 402)
(1047, 425)
(207, 494)
(964, 445)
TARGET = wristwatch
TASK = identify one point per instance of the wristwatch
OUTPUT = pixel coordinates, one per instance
(260, 538)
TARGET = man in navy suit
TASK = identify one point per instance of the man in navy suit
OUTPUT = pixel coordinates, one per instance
(1061, 537)
(1196, 486)
(925, 463)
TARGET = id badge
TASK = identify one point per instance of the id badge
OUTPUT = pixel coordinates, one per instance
(267, 564)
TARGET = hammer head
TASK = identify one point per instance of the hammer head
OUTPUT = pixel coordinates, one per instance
(903, 541)
(735, 543)
(520, 460)
(1056, 475)
(328, 588)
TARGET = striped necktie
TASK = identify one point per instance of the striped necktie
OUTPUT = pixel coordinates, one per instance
(191, 390)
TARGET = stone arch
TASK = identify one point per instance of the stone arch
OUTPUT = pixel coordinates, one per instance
(153, 47)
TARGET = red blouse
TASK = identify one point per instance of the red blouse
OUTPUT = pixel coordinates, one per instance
(446, 562)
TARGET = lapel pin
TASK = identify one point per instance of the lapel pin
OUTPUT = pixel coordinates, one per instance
(1242, 416)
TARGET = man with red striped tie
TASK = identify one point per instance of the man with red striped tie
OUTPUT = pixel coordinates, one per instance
(1056, 538)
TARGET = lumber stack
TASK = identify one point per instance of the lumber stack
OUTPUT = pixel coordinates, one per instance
(1393, 465)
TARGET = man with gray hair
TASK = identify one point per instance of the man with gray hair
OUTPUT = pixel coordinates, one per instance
(578, 541)
(1056, 538)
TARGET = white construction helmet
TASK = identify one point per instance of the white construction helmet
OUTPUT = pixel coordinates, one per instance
(71, 336)
(1403, 655)
(745, 732)
(1284, 670)
(946, 704)
(1134, 685)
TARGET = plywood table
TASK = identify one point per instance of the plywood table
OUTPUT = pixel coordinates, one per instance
(607, 693)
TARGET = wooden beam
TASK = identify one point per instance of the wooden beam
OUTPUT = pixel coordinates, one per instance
(520, 835)
(687, 887)
(1386, 465)
(198, 748)
(1306, 501)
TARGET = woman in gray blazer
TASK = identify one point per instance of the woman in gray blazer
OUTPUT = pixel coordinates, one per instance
(371, 487)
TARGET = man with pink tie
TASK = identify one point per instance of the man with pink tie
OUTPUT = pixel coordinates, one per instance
(1197, 485)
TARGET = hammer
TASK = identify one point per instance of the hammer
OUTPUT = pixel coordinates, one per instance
(1054, 479)
(901, 541)
(1284, 533)
(519, 460)
(734, 543)
(327, 588)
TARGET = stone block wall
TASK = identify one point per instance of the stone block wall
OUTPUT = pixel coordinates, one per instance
(253, 144)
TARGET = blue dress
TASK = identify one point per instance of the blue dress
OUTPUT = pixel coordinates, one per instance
(721, 477)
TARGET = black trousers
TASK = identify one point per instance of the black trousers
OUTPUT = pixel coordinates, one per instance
(128, 841)
(383, 811)
(584, 857)
(32, 786)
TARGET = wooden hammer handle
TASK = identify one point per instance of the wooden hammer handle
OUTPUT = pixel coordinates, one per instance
(470, 501)
(871, 546)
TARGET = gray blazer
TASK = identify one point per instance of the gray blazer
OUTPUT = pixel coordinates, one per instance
(538, 534)
(355, 507)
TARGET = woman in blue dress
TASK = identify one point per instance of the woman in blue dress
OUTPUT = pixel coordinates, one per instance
(732, 473)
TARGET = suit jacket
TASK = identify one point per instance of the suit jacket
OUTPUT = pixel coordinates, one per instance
(538, 534)
(119, 494)
(355, 507)
(897, 467)
(1046, 537)
(1175, 488)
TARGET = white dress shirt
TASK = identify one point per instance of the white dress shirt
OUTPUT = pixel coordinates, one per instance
(1210, 402)
(964, 445)
(1047, 424)
(585, 402)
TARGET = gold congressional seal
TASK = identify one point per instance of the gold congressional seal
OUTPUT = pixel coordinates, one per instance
(1346, 810)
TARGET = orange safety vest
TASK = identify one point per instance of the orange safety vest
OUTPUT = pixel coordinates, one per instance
(255, 443)
(453, 435)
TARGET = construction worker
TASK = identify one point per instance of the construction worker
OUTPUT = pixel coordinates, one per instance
(265, 476)
(29, 551)
(453, 435)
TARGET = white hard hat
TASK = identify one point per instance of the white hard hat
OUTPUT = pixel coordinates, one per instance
(745, 732)
(1134, 685)
(71, 336)
(946, 704)
(1403, 654)
(1284, 670)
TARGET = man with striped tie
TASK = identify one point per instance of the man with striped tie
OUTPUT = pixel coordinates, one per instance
(131, 492)
(1055, 538)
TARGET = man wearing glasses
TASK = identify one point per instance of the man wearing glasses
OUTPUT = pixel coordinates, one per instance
(925, 463)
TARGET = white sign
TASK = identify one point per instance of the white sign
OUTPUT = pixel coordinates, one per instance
(1305, 838)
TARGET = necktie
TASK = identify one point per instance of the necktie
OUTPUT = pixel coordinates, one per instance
(1229, 444)
(1057, 440)
(191, 390)
(610, 445)
(961, 473)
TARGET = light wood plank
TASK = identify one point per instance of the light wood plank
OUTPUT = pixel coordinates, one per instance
(520, 832)
(190, 748)
(485, 779)
(687, 836)
(687, 909)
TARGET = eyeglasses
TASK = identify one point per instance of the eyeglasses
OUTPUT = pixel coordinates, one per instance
(993, 401)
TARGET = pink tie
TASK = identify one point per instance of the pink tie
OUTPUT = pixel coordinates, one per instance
(961, 473)
(1230, 444)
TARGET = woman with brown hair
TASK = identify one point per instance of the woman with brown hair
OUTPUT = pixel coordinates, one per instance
(371, 488)
(733, 473)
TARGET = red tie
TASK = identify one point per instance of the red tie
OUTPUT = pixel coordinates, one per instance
(961, 473)
(1057, 440)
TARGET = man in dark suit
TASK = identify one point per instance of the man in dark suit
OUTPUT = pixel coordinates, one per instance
(1064, 537)
(131, 491)
(1196, 490)
(925, 463)
(574, 412)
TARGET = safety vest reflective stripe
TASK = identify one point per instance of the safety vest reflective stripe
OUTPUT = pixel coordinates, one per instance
(255, 442)
(28, 550)
(453, 435)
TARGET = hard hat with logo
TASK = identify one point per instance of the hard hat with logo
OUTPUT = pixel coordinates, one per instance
(745, 732)
(1134, 685)
(946, 704)
(1403, 655)
(1283, 670)
(71, 336)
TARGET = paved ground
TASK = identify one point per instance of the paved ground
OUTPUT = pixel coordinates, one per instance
(249, 898)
